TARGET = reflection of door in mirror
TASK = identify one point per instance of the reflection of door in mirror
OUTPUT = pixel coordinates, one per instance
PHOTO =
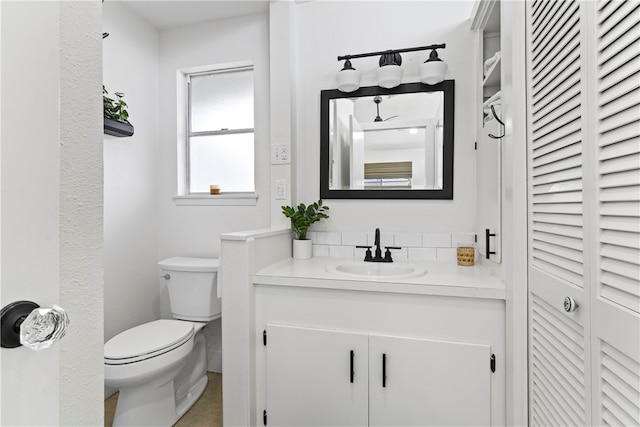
(387, 142)
(357, 153)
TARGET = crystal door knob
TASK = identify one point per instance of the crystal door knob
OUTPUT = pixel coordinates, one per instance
(43, 327)
(26, 323)
(570, 304)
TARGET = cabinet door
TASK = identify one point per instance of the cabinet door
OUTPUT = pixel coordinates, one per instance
(489, 190)
(310, 380)
(428, 383)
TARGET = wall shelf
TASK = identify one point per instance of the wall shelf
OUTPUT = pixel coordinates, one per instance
(117, 128)
(493, 77)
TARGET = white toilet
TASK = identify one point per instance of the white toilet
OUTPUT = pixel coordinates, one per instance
(160, 367)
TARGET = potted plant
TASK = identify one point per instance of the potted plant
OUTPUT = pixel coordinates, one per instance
(116, 116)
(301, 219)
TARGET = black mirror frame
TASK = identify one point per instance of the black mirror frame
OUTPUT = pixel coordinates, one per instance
(446, 193)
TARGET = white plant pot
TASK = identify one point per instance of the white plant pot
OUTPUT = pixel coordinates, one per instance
(302, 249)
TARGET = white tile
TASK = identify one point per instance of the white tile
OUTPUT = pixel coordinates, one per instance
(422, 253)
(407, 240)
(462, 239)
(341, 251)
(398, 254)
(354, 239)
(312, 236)
(360, 253)
(446, 254)
(320, 250)
(328, 237)
(437, 240)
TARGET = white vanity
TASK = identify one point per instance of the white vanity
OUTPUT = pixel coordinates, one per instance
(356, 350)
(348, 349)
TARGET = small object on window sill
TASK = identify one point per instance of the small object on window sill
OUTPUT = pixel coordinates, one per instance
(117, 128)
(214, 189)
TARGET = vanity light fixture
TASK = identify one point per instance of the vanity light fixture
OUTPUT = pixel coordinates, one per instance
(348, 78)
(432, 71)
(390, 72)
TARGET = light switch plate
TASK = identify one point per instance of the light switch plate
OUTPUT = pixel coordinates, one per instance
(281, 189)
(280, 154)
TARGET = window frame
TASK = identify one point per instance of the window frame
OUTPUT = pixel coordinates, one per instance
(185, 195)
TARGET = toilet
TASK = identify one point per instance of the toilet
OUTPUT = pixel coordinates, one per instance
(160, 367)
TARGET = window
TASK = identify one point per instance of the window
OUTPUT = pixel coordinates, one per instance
(220, 131)
(388, 175)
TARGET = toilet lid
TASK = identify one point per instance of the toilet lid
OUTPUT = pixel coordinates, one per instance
(147, 340)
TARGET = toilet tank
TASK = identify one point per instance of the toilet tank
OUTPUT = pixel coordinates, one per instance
(192, 284)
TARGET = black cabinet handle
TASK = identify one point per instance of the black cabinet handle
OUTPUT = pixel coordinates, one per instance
(384, 370)
(488, 250)
(351, 356)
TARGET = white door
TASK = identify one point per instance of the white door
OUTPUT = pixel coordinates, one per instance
(584, 212)
(316, 377)
(420, 382)
(558, 340)
(357, 154)
(615, 288)
(51, 219)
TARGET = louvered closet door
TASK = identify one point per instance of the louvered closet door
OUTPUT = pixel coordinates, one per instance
(559, 377)
(584, 212)
(616, 288)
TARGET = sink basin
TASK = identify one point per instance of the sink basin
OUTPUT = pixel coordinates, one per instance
(376, 270)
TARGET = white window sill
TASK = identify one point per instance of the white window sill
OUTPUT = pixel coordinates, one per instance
(223, 199)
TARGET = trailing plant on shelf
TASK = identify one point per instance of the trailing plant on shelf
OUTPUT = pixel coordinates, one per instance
(115, 109)
(304, 216)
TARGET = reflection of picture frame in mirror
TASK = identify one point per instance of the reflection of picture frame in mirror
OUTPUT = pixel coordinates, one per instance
(406, 132)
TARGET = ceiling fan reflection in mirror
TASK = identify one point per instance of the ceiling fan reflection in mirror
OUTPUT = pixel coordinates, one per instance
(378, 100)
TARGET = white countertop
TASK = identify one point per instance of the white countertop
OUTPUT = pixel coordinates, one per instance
(442, 278)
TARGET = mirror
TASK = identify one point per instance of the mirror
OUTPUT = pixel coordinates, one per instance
(381, 143)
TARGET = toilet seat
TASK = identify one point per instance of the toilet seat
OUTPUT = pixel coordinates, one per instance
(147, 341)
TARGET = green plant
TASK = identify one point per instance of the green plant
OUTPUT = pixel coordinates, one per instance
(304, 216)
(114, 109)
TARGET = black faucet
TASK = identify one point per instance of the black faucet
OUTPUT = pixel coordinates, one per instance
(378, 252)
(376, 242)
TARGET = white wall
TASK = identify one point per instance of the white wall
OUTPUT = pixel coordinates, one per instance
(130, 64)
(325, 30)
(142, 223)
(195, 230)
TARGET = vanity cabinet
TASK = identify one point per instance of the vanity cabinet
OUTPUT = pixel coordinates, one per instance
(438, 352)
(337, 378)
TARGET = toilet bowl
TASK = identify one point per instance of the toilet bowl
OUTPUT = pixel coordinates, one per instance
(160, 367)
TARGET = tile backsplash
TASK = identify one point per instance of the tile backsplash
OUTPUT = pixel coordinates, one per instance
(426, 246)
